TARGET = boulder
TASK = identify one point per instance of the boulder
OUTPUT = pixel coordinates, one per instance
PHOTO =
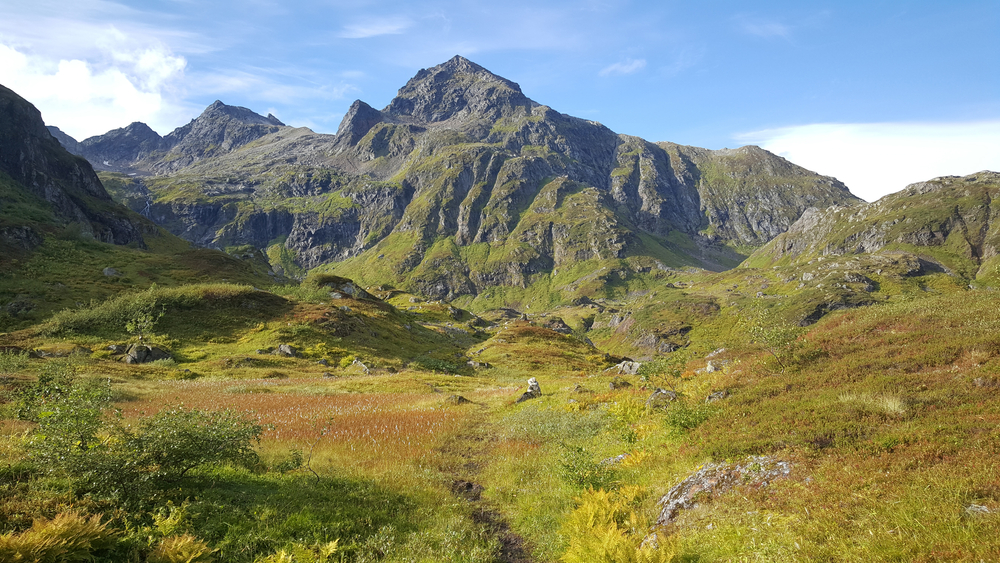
(534, 391)
(717, 396)
(661, 398)
(619, 383)
(141, 354)
(715, 479)
(287, 350)
(626, 367)
(112, 273)
(457, 400)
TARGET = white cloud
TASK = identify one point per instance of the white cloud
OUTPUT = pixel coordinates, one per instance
(374, 28)
(627, 67)
(84, 98)
(875, 159)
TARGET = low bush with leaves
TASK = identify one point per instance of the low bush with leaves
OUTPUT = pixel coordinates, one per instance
(107, 456)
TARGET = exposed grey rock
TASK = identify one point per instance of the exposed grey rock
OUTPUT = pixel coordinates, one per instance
(534, 391)
(612, 461)
(626, 367)
(717, 478)
(716, 396)
(619, 383)
(142, 354)
(287, 350)
(358, 120)
(21, 238)
(112, 273)
(976, 511)
(456, 400)
(558, 325)
(661, 398)
(20, 305)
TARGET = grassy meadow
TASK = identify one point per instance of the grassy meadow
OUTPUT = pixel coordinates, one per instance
(358, 448)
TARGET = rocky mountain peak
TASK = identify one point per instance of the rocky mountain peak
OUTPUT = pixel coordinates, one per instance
(360, 118)
(244, 115)
(456, 88)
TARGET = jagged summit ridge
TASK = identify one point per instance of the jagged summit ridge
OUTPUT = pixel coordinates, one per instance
(456, 88)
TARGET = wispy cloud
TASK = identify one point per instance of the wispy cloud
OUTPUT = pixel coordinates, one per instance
(767, 28)
(374, 28)
(875, 159)
(628, 66)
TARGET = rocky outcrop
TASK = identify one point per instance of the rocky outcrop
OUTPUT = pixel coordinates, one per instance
(951, 213)
(33, 158)
(715, 479)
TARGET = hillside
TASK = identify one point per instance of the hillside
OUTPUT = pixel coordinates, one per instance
(459, 184)
(65, 242)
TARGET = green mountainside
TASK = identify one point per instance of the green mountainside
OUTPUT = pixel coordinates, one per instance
(65, 242)
(832, 397)
(460, 184)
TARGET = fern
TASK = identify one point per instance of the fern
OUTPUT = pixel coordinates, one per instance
(66, 538)
(181, 549)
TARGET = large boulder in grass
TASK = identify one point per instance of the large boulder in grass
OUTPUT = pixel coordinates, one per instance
(715, 479)
(339, 287)
(141, 354)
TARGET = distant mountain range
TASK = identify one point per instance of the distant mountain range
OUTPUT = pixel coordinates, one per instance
(460, 183)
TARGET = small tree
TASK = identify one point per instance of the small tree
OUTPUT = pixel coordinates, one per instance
(142, 318)
(666, 371)
(765, 328)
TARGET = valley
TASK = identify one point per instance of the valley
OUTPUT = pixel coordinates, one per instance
(248, 342)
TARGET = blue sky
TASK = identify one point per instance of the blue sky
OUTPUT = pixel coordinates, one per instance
(876, 93)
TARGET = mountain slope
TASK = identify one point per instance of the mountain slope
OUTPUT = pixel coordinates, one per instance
(950, 222)
(64, 241)
(462, 159)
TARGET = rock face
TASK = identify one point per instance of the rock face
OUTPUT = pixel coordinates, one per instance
(459, 158)
(34, 159)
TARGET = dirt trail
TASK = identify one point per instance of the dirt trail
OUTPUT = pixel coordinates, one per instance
(464, 454)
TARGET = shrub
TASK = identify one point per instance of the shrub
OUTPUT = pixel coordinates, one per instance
(682, 416)
(116, 460)
(13, 362)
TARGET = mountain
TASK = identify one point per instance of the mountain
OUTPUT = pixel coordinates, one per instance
(219, 129)
(65, 242)
(459, 184)
(949, 223)
(44, 186)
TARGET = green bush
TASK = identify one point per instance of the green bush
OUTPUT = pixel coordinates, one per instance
(683, 417)
(580, 470)
(107, 457)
